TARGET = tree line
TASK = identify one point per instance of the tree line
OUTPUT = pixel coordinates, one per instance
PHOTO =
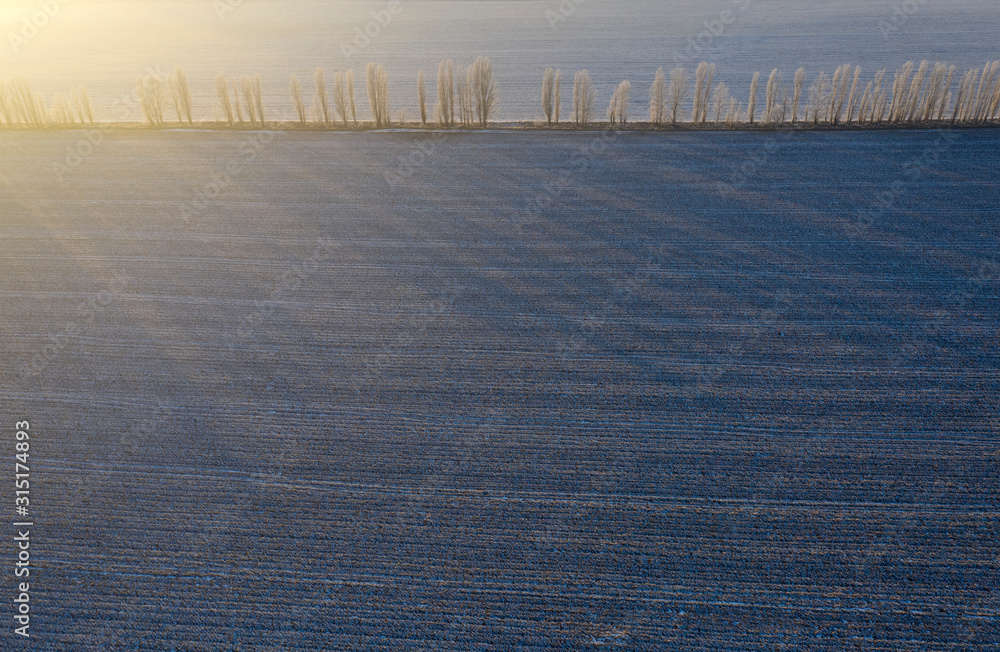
(468, 96)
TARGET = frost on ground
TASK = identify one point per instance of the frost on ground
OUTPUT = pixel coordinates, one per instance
(708, 391)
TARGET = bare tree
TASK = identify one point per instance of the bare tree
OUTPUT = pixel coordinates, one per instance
(977, 107)
(900, 92)
(800, 78)
(783, 108)
(989, 81)
(707, 91)
(62, 111)
(993, 110)
(752, 104)
(557, 95)
(879, 97)
(842, 93)
(678, 92)
(377, 83)
(463, 94)
(699, 84)
(422, 97)
(771, 95)
(249, 101)
(258, 98)
(484, 90)
(222, 88)
(658, 98)
(853, 98)
(26, 105)
(237, 104)
(295, 87)
(973, 95)
(350, 96)
(322, 98)
(172, 93)
(340, 97)
(445, 108)
(733, 112)
(618, 111)
(583, 97)
(834, 96)
(936, 92)
(468, 99)
(548, 94)
(864, 109)
(84, 109)
(180, 94)
(15, 107)
(152, 99)
(702, 91)
(5, 110)
(962, 95)
(946, 93)
(251, 86)
(440, 108)
(246, 92)
(818, 94)
(916, 93)
(945, 106)
(721, 101)
(450, 88)
(993, 106)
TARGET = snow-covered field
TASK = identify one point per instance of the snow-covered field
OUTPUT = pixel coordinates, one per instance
(703, 391)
